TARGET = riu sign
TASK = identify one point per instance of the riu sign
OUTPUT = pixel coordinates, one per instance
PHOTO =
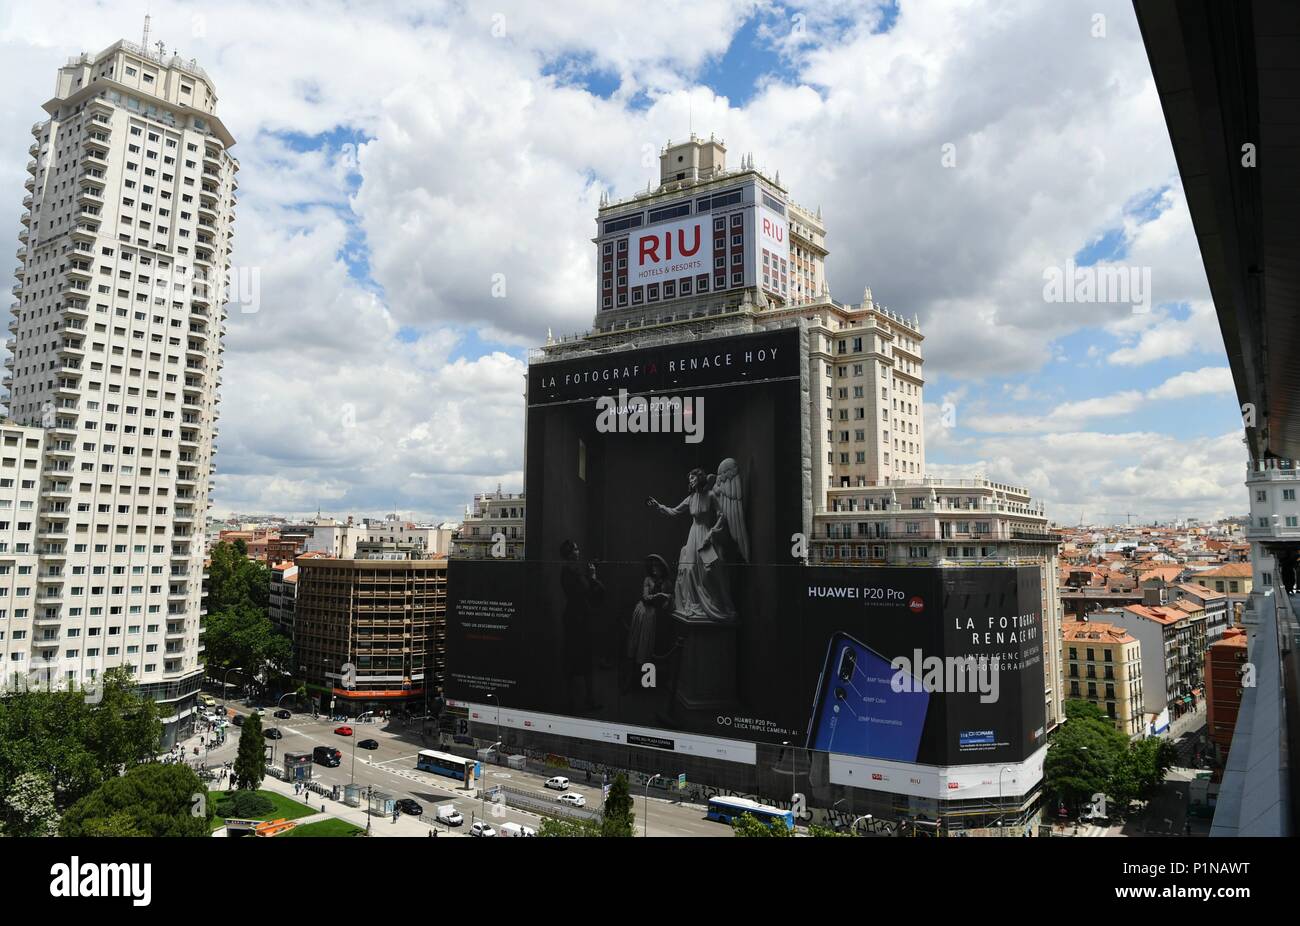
(671, 250)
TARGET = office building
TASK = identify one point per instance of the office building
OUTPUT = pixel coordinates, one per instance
(370, 634)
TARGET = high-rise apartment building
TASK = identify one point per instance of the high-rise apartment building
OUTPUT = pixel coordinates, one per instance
(115, 360)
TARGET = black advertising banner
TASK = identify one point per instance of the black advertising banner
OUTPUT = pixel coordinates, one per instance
(660, 590)
(888, 663)
(689, 364)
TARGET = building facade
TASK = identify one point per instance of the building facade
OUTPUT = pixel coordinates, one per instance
(116, 354)
(711, 253)
(1103, 666)
(1225, 662)
(370, 634)
(492, 514)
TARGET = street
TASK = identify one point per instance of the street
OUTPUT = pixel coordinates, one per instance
(391, 768)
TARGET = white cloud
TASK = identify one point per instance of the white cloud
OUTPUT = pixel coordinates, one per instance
(473, 162)
(1085, 473)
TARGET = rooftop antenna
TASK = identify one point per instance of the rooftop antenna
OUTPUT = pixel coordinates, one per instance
(144, 39)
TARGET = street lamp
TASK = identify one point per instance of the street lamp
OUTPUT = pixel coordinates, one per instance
(482, 791)
(646, 806)
(223, 683)
(497, 701)
(854, 825)
(355, 735)
(1005, 768)
(794, 774)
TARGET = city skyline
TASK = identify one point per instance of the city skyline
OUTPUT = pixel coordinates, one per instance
(357, 189)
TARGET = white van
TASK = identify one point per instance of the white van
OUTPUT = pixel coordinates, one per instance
(514, 829)
(448, 815)
(558, 783)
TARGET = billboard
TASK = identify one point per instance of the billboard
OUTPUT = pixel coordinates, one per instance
(774, 245)
(671, 251)
(882, 663)
(666, 488)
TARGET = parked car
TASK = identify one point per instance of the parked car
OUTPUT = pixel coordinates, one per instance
(237, 720)
(448, 815)
(407, 805)
(260, 712)
(558, 783)
(573, 799)
(368, 744)
(283, 714)
(327, 756)
(482, 829)
(273, 733)
(343, 731)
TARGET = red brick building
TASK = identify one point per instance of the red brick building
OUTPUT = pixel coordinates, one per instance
(1224, 661)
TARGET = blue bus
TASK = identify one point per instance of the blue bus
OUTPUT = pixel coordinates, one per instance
(444, 763)
(726, 809)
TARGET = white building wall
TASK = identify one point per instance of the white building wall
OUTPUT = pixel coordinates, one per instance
(117, 352)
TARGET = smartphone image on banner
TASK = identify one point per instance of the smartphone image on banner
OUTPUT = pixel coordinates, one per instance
(856, 710)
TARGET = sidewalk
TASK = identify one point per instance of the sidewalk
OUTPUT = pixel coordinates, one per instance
(406, 824)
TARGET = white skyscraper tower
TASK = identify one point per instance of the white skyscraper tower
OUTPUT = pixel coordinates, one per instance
(113, 376)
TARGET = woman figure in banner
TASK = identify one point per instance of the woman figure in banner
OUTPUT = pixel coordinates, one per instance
(715, 505)
(656, 599)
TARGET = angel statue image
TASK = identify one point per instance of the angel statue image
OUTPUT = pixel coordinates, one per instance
(717, 537)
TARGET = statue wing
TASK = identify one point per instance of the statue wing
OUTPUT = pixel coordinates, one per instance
(729, 495)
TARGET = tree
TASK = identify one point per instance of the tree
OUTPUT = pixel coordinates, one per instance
(237, 631)
(243, 636)
(825, 831)
(618, 818)
(30, 807)
(74, 740)
(234, 580)
(250, 761)
(1084, 758)
(750, 826)
(149, 800)
(557, 828)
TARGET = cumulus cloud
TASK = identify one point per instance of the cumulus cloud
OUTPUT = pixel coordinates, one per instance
(419, 184)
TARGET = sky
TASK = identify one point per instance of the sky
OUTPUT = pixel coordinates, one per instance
(418, 185)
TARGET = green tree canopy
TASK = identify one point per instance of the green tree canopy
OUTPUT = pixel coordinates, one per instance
(237, 632)
(149, 800)
(618, 818)
(234, 580)
(30, 807)
(557, 828)
(74, 740)
(250, 761)
(749, 825)
(1090, 756)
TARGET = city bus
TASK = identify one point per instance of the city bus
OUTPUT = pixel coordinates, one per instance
(444, 763)
(726, 809)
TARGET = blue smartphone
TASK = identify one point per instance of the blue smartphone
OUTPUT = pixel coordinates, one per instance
(856, 710)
